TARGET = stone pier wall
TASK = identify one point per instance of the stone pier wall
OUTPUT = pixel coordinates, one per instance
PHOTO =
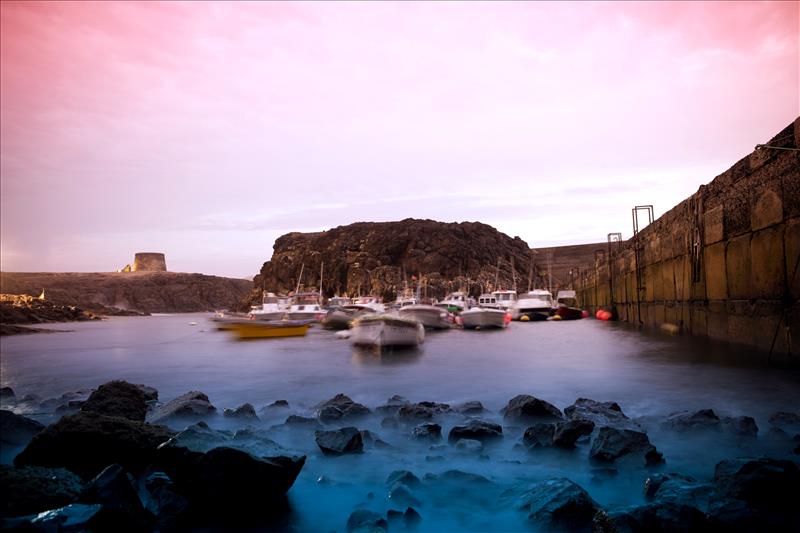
(723, 263)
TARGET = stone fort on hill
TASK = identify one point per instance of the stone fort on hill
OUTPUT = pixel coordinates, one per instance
(147, 262)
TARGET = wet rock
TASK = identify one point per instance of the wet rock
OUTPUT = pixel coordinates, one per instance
(72, 517)
(122, 510)
(480, 430)
(243, 412)
(302, 421)
(788, 422)
(601, 413)
(457, 477)
(401, 495)
(392, 405)
(406, 520)
(363, 521)
(469, 446)
(71, 406)
(371, 440)
(707, 420)
(567, 433)
(611, 444)
(31, 490)
(661, 517)
(7, 395)
(528, 409)
(470, 408)
(428, 432)
(422, 411)
(390, 423)
(654, 483)
(275, 409)
(192, 406)
(539, 435)
(17, 430)
(340, 441)
(405, 477)
(158, 495)
(742, 426)
(201, 438)
(86, 443)
(225, 480)
(678, 489)
(559, 504)
(120, 398)
(340, 407)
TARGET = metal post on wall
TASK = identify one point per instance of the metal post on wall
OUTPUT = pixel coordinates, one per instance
(638, 250)
(610, 254)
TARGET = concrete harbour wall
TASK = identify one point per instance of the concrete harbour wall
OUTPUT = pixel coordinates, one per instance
(723, 263)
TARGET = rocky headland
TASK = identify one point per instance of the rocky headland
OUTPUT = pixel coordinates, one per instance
(143, 292)
(381, 257)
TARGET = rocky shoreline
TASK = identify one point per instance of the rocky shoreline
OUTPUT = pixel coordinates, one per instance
(119, 458)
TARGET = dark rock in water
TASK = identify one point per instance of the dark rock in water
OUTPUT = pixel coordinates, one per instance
(707, 420)
(71, 406)
(429, 432)
(789, 422)
(70, 518)
(457, 477)
(17, 430)
(405, 477)
(120, 398)
(567, 433)
(157, 494)
(31, 490)
(201, 438)
(340, 441)
(422, 411)
(86, 443)
(611, 444)
(407, 520)
(539, 435)
(470, 408)
(677, 489)
(192, 405)
(559, 504)
(525, 408)
(481, 430)
(340, 407)
(399, 494)
(601, 413)
(661, 517)
(7, 394)
(279, 404)
(469, 445)
(392, 405)
(654, 483)
(363, 521)
(122, 509)
(371, 440)
(743, 426)
(302, 421)
(390, 423)
(411, 518)
(275, 409)
(243, 412)
(226, 480)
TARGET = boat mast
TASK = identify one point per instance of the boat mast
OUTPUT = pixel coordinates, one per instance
(297, 289)
(513, 274)
(321, 267)
(497, 275)
(530, 273)
(549, 273)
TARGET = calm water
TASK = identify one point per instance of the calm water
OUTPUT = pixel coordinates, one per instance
(650, 376)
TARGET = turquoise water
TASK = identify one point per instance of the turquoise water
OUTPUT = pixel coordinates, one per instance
(649, 375)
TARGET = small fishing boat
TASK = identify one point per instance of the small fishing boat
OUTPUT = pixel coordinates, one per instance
(372, 303)
(386, 331)
(338, 319)
(429, 316)
(455, 302)
(272, 307)
(260, 329)
(506, 300)
(568, 313)
(534, 305)
(484, 317)
(223, 321)
(306, 306)
(488, 301)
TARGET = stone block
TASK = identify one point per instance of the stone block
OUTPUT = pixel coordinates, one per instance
(668, 279)
(716, 277)
(767, 263)
(713, 225)
(768, 209)
(791, 243)
(658, 281)
(698, 318)
(717, 321)
(737, 260)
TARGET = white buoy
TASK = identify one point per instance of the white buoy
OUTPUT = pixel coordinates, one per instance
(192, 323)
(344, 334)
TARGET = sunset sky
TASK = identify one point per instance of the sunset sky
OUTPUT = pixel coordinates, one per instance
(206, 130)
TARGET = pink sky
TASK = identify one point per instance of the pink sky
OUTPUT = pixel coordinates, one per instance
(205, 130)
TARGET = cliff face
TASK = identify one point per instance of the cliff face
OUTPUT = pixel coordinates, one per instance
(377, 257)
(152, 292)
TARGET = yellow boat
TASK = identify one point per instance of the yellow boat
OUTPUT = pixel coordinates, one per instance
(257, 329)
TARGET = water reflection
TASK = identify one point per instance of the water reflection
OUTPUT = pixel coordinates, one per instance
(364, 356)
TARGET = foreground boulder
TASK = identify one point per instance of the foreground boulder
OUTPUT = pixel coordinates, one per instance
(364, 521)
(244, 412)
(158, 495)
(85, 443)
(193, 405)
(676, 488)
(661, 517)
(562, 434)
(201, 438)
(428, 432)
(528, 409)
(539, 435)
(31, 490)
(340, 441)
(601, 413)
(413, 412)
(480, 430)
(122, 510)
(120, 398)
(17, 430)
(340, 407)
(559, 504)
(612, 444)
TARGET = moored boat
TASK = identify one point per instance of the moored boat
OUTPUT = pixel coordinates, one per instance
(386, 331)
(260, 329)
(306, 306)
(534, 305)
(429, 316)
(569, 313)
(272, 307)
(455, 302)
(506, 300)
(484, 317)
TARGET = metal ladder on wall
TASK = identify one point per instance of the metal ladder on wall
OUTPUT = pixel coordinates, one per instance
(638, 253)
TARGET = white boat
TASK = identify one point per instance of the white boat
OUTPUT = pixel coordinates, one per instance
(488, 301)
(567, 298)
(455, 302)
(272, 307)
(386, 331)
(369, 302)
(534, 305)
(484, 318)
(506, 300)
(339, 301)
(306, 306)
(429, 316)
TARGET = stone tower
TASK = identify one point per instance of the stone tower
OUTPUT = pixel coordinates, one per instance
(149, 262)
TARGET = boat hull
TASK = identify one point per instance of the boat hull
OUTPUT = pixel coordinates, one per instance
(257, 329)
(387, 333)
(268, 316)
(428, 315)
(484, 319)
(569, 313)
(306, 315)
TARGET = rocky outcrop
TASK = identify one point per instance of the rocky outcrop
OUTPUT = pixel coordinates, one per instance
(17, 430)
(480, 430)
(340, 441)
(120, 398)
(31, 490)
(611, 444)
(379, 257)
(559, 505)
(526, 408)
(150, 292)
(190, 406)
